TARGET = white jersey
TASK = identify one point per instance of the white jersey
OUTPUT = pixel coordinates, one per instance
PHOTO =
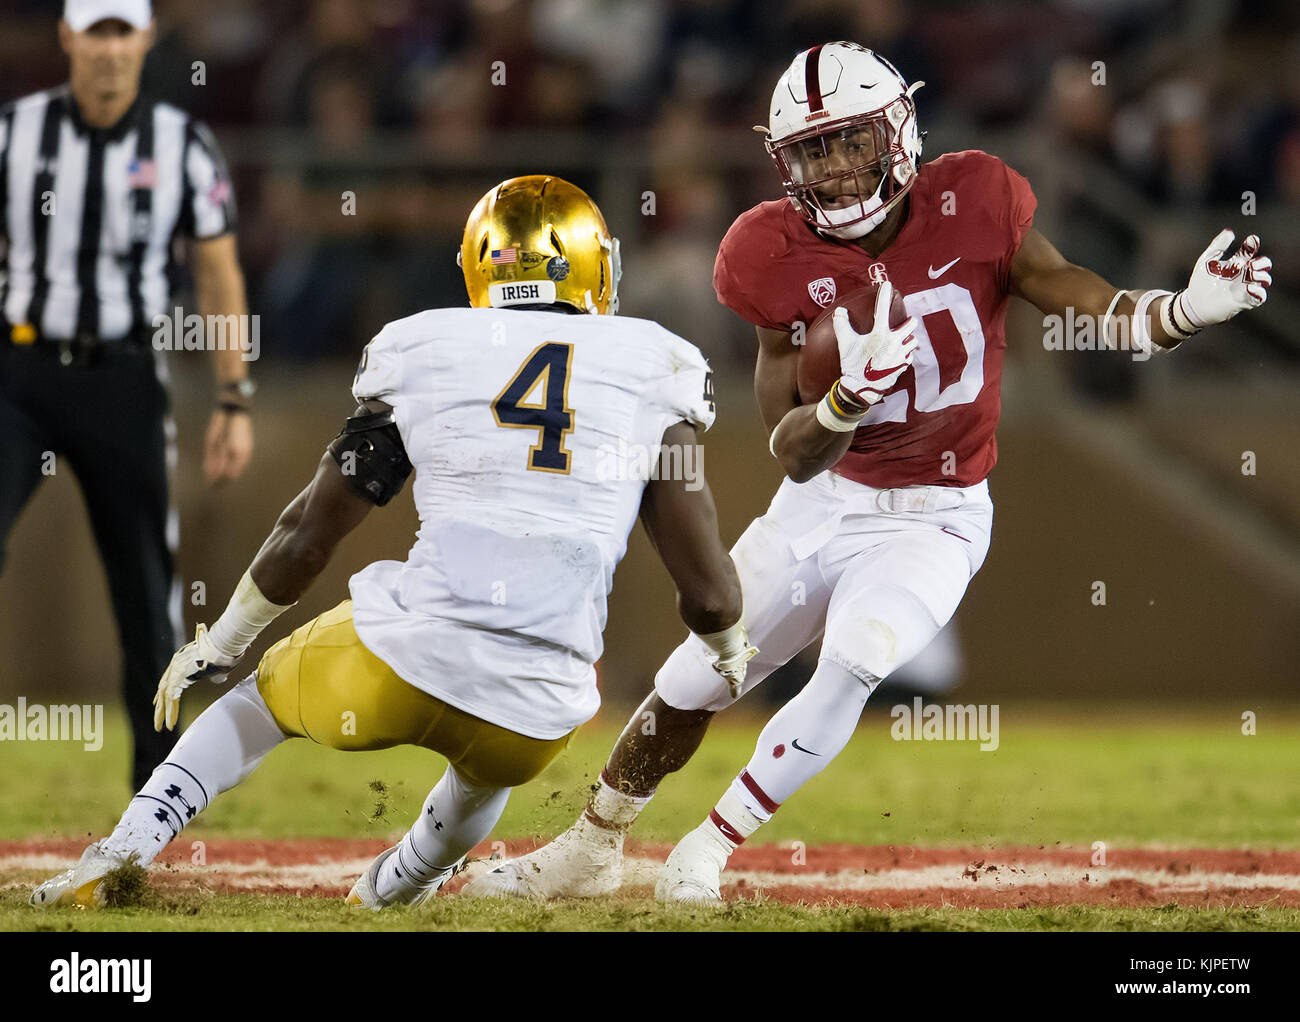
(530, 433)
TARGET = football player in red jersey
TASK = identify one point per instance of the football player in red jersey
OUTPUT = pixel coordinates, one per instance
(885, 515)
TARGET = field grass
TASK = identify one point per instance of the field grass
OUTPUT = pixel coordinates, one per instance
(259, 913)
(1149, 774)
(1144, 775)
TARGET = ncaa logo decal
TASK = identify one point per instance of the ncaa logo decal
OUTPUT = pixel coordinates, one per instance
(822, 290)
(877, 273)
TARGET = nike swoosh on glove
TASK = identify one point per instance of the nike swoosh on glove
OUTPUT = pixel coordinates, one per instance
(1220, 288)
(192, 662)
(871, 363)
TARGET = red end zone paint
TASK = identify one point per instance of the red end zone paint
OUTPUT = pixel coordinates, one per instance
(876, 876)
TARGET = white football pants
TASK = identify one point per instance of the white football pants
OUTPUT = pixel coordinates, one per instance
(876, 572)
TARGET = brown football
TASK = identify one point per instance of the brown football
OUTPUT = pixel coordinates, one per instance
(819, 359)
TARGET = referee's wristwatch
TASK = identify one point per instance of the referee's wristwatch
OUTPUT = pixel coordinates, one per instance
(236, 395)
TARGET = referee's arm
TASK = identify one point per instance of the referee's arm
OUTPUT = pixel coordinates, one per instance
(208, 220)
(219, 288)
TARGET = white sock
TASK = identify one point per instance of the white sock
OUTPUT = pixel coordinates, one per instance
(737, 816)
(456, 816)
(613, 810)
(222, 747)
(805, 735)
(796, 745)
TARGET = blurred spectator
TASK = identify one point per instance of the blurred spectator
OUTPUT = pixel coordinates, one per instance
(1164, 141)
(669, 276)
(617, 43)
(204, 54)
(1077, 116)
(328, 289)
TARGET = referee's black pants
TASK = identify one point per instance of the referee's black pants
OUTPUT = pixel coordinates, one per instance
(106, 421)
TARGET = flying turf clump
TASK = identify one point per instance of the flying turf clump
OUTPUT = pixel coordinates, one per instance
(381, 805)
(126, 886)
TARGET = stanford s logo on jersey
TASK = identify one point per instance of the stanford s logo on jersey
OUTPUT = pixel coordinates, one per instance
(822, 291)
(877, 273)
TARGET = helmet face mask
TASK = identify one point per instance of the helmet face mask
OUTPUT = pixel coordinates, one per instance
(845, 163)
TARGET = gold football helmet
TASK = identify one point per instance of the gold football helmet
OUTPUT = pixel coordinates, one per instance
(539, 240)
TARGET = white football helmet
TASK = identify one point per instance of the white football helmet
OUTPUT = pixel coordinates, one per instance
(842, 131)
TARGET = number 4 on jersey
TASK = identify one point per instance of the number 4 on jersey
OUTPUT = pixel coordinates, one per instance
(537, 397)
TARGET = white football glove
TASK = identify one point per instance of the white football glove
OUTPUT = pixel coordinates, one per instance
(873, 362)
(733, 651)
(1220, 288)
(192, 662)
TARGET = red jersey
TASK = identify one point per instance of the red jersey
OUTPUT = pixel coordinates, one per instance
(951, 263)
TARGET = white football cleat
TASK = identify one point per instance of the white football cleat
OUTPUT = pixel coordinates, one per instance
(586, 861)
(693, 873)
(78, 887)
(364, 891)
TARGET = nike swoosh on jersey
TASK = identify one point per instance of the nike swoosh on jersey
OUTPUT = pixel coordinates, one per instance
(796, 744)
(936, 274)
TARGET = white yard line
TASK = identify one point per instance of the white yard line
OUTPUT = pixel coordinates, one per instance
(642, 872)
(947, 877)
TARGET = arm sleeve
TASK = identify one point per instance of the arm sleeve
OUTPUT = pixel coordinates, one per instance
(208, 203)
(733, 292)
(379, 376)
(1018, 205)
(685, 391)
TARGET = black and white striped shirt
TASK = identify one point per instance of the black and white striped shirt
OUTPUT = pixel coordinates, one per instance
(90, 215)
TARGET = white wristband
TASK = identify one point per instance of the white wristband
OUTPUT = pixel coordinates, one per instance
(245, 616)
(1141, 335)
(1169, 320)
(1105, 320)
(828, 417)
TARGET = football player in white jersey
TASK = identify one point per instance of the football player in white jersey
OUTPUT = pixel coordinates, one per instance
(517, 415)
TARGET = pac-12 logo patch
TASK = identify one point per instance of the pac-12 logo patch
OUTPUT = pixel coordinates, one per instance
(822, 291)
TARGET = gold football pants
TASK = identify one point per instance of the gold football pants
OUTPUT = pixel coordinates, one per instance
(322, 683)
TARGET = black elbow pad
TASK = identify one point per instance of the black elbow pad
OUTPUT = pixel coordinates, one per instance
(370, 454)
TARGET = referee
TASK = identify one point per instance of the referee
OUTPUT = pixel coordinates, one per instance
(97, 182)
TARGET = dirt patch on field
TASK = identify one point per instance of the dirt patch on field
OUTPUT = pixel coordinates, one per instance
(879, 876)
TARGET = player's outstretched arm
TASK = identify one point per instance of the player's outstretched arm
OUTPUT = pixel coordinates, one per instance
(1219, 288)
(682, 522)
(679, 516)
(365, 465)
(309, 529)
